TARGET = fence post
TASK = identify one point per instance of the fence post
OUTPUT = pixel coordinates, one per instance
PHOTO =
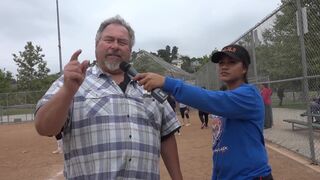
(305, 80)
(25, 98)
(254, 60)
(7, 107)
(1, 114)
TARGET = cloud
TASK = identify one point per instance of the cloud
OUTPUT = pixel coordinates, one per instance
(195, 27)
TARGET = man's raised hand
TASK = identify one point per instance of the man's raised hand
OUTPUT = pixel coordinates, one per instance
(74, 73)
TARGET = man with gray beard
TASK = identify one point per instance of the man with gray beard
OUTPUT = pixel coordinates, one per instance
(111, 129)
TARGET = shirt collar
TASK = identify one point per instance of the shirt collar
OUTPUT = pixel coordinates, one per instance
(97, 71)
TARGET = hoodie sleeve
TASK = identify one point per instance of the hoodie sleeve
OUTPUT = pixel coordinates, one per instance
(239, 103)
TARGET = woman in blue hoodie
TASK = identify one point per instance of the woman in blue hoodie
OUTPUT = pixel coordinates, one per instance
(239, 151)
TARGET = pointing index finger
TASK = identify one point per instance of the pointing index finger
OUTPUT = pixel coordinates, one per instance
(75, 55)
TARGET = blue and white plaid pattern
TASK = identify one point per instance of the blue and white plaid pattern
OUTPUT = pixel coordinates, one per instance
(111, 134)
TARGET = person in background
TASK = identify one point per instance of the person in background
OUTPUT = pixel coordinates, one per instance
(266, 94)
(315, 109)
(184, 112)
(280, 94)
(203, 117)
(173, 105)
(59, 149)
(111, 128)
(239, 153)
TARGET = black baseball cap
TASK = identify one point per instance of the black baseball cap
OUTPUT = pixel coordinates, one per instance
(234, 51)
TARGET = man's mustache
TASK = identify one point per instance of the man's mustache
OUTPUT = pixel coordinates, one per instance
(112, 54)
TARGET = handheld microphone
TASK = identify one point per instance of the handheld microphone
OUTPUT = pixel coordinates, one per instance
(157, 93)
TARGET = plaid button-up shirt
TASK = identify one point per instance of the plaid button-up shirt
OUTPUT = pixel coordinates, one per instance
(111, 134)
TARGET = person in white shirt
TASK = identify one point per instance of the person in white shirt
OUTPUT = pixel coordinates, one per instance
(184, 111)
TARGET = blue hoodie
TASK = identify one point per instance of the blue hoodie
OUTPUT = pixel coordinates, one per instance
(238, 149)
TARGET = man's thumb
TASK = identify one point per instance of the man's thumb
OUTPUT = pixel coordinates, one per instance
(84, 66)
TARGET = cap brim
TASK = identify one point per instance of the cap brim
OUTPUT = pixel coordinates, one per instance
(217, 56)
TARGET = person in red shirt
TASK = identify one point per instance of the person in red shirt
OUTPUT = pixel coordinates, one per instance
(266, 93)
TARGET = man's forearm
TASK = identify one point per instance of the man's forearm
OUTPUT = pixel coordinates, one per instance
(51, 117)
(169, 153)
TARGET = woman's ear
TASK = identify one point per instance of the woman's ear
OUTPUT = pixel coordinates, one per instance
(245, 70)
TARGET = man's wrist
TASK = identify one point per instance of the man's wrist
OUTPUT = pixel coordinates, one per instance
(66, 93)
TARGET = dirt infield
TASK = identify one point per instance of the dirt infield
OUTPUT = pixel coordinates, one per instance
(26, 155)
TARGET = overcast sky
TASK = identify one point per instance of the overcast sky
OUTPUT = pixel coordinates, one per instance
(196, 27)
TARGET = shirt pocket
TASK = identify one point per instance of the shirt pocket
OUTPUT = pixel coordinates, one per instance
(152, 113)
(96, 104)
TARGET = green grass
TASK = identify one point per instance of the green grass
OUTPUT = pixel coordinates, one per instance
(6, 112)
(290, 105)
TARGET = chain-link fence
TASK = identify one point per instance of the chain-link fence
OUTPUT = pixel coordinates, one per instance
(18, 106)
(284, 49)
(205, 76)
(147, 62)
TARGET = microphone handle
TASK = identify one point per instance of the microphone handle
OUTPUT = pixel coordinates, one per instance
(159, 95)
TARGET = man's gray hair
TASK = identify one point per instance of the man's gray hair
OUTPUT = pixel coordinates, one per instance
(116, 20)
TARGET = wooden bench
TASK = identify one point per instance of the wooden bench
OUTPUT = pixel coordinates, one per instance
(302, 123)
(315, 116)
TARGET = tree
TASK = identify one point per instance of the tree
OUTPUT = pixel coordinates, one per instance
(281, 47)
(168, 50)
(165, 54)
(6, 79)
(202, 61)
(134, 55)
(279, 54)
(312, 41)
(32, 68)
(186, 65)
(162, 53)
(174, 53)
(46, 82)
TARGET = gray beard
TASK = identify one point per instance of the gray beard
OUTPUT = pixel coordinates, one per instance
(112, 66)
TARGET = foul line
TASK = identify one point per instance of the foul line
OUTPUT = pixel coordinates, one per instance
(294, 157)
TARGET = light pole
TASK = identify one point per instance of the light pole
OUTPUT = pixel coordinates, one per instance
(59, 41)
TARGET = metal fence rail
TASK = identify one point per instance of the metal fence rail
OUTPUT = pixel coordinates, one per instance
(18, 106)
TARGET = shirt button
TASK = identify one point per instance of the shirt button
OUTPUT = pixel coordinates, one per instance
(128, 115)
(130, 136)
(130, 160)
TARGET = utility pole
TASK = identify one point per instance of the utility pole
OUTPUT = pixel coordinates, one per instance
(59, 41)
